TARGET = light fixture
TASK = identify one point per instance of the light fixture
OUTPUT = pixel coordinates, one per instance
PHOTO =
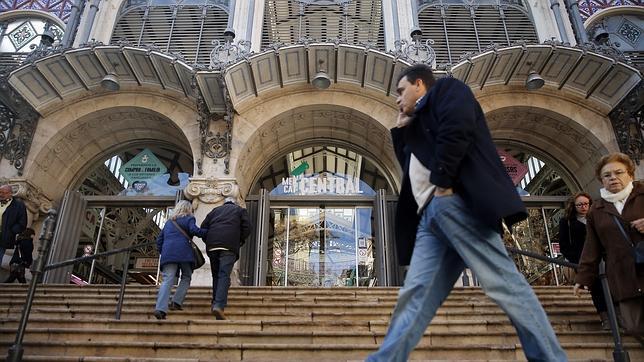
(321, 80)
(110, 82)
(534, 81)
(600, 35)
(47, 37)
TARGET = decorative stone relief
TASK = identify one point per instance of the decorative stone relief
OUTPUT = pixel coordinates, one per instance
(211, 190)
(35, 200)
(215, 145)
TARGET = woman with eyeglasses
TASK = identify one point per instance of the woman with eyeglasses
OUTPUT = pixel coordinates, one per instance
(615, 224)
(572, 236)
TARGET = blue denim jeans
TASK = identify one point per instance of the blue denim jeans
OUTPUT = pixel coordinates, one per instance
(169, 272)
(448, 239)
(221, 265)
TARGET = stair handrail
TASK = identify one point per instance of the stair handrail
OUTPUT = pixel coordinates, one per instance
(619, 353)
(16, 351)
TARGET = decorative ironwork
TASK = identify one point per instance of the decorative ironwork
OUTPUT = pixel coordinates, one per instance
(422, 3)
(60, 8)
(18, 122)
(416, 51)
(589, 7)
(628, 124)
(215, 145)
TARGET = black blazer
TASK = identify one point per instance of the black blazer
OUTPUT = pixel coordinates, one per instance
(572, 235)
(228, 227)
(450, 137)
(14, 221)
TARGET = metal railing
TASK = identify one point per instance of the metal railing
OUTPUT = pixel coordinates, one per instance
(619, 353)
(16, 350)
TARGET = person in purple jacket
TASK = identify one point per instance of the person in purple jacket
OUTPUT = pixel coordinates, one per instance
(176, 254)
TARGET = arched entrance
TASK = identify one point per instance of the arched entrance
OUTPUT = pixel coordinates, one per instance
(120, 169)
(559, 154)
(319, 179)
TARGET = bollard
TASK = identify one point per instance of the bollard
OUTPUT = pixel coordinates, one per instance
(46, 235)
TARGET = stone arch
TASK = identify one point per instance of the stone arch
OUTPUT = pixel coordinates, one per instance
(554, 138)
(30, 13)
(69, 142)
(308, 125)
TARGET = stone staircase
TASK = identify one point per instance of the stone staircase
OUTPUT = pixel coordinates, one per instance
(72, 323)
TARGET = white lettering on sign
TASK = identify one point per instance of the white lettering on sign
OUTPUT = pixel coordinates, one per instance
(321, 185)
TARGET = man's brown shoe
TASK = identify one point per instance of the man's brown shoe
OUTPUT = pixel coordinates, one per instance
(218, 313)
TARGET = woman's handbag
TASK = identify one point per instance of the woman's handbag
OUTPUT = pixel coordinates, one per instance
(198, 256)
(638, 249)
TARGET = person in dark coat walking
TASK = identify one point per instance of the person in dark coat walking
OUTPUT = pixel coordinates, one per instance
(176, 255)
(454, 195)
(13, 219)
(22, 256)
(228, 227)
(572, 236)
(621, 204)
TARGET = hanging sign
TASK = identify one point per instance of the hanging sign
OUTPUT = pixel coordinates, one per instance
(515, 169)
(142, 167)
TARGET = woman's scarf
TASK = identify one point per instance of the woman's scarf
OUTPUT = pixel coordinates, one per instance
(618, 199)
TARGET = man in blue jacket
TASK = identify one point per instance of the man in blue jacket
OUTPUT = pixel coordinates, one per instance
(228, 227)
(454, 196)
(13, 219)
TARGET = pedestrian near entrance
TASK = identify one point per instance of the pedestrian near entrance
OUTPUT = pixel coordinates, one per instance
(13, 219)
(572, 236)
(228, 226)
(22, 256)
(615, 225)
(455, 193)
(173, 244)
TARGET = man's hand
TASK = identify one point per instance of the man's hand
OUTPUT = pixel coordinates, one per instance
(403, 120)
(443, 192)
(578, 288)
(638, 225)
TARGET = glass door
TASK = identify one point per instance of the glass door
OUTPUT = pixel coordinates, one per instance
(319, 246)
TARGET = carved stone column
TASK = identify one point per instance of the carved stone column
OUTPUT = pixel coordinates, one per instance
(35, 200)
(207, 193)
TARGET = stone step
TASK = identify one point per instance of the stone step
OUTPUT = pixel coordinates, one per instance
(205, 325)
(300, 352)
(275, 323)
(311, 313)
(273, 291)
(202, 297)
(272, 306)
(162, 335)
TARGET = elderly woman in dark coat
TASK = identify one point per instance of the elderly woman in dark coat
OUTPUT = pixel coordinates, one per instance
(176, 254)
(622, 201)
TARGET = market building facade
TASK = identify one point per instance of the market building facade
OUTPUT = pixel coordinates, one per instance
(111, 110)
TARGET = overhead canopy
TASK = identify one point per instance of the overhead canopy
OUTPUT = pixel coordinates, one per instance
(77, 73)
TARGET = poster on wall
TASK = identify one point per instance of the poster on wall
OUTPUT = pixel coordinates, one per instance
(148, 176)
(515, 169)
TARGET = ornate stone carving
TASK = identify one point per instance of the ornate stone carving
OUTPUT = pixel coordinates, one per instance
(215, 145)
(628, 124)
(211, 190)
(416, 51)
(35, 199)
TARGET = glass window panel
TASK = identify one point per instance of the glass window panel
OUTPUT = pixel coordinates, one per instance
(276, 253)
